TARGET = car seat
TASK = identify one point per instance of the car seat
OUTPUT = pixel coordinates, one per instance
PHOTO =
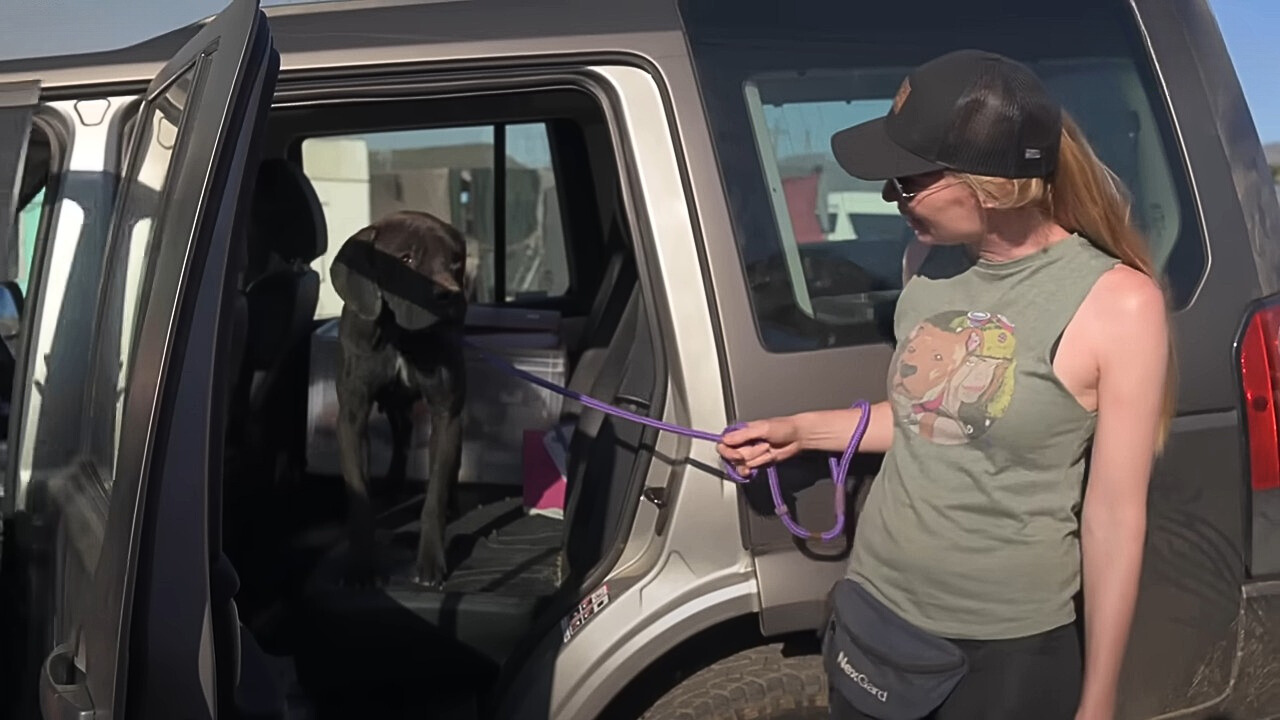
(287, 231)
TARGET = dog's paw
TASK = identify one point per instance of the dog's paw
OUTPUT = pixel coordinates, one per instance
(428, 575)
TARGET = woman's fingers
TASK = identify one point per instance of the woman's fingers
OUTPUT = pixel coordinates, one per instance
(751, 446)
(746, 456)
(750, 433)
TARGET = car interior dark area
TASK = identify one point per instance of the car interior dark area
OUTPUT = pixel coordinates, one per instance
(546, 487)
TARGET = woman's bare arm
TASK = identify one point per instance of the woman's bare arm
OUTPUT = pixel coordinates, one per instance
(830, 430)
(1131, 333)
(766, 442)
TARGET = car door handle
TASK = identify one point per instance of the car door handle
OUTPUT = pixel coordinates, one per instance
(63, 695)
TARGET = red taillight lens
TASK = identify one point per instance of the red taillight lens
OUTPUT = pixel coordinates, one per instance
(1259, 363)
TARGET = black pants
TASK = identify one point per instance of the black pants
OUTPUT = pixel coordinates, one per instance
(1038, 676)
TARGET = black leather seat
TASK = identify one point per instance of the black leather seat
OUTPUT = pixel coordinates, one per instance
(266, 432)
(287, 232)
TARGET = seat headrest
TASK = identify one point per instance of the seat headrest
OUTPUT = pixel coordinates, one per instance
(287, 216)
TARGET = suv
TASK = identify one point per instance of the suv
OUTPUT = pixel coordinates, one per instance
(655, 219)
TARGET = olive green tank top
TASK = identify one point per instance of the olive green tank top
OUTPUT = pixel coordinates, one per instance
(970, 529)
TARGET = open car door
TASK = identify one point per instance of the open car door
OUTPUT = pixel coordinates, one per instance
(121, 641)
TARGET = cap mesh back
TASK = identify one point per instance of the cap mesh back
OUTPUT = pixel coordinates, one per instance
(1003, 126)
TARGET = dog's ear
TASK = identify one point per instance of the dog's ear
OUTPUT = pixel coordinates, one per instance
(354, 277)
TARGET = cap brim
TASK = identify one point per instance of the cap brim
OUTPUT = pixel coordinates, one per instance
(865, 151)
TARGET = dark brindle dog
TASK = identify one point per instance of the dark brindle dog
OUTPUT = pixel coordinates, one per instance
(402, 283)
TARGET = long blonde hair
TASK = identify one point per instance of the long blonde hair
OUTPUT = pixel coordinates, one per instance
(1084, 196)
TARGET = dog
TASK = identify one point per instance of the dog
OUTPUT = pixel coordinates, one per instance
(402, 281)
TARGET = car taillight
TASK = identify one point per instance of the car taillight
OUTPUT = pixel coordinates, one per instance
(1259, 365)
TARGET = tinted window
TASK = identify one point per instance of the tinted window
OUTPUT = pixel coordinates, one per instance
(128, 274)
(456, 174)
(29, 218)
(822, 251)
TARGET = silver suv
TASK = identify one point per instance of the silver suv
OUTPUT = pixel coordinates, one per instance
(655, 219)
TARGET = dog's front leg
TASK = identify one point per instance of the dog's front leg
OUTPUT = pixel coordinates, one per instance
(446, 460)
(400, 420)
(354, 406)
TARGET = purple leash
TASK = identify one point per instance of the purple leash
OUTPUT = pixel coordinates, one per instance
(839, 470)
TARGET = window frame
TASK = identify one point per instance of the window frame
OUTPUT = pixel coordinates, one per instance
(552, 99)
(58, 132)
(602, 171)
(499, 131)
(115, 265)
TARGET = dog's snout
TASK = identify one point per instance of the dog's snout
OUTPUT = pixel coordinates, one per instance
(444, 285)
(906, 370)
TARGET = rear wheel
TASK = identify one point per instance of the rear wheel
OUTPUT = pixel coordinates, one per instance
(760, 682)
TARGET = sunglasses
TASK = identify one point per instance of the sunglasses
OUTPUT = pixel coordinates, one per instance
(900, 187)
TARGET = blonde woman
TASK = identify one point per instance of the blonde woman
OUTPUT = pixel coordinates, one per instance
(1044, 346)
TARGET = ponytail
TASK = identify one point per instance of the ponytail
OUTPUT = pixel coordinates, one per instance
(1085, 197)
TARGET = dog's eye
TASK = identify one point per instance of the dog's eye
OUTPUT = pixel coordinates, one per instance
(407, 259)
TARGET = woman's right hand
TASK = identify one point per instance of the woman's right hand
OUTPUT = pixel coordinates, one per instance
(760, 443)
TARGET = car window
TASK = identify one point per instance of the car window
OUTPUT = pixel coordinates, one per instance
(128, 275)
(454, 173)
(822, 250)
(29, 217)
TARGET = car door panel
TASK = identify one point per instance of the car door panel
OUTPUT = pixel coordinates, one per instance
(183, 519)
(187, 156)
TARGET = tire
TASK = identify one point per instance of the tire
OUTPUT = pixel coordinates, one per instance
(756, 684)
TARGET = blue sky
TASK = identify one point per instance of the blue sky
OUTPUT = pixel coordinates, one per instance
(1251, 29)
(38, 27)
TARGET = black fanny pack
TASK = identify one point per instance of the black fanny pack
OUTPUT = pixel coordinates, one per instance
(883, 665)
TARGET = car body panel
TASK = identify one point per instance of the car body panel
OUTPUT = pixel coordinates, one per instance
(399, 34)
(677, 580)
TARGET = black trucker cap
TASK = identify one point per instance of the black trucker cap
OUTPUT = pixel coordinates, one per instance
(971, 111)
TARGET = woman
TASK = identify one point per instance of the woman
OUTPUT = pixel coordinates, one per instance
(1032, 336)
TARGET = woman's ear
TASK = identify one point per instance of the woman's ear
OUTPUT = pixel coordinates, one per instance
(353, 276)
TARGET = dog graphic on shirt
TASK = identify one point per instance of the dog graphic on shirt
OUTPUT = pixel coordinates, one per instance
(953, 375)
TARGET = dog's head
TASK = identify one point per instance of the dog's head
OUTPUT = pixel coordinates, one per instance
(931, 357)
(413, 263)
